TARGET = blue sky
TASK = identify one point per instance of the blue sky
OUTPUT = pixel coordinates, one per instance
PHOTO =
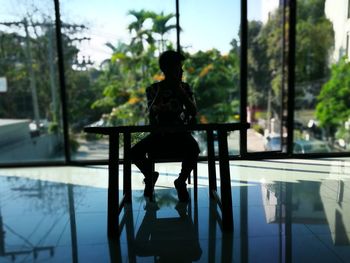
(206, 24)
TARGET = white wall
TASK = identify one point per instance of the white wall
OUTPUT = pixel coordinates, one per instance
(337, 12)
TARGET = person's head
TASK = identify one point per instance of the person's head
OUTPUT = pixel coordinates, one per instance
(170, 63)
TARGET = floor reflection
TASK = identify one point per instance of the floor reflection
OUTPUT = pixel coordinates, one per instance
(310, 203)
(170, 239)
(275, 220)
(168, 231)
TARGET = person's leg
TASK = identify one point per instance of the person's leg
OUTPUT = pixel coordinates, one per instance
(190, 156)
(139, 157)
(189, 151)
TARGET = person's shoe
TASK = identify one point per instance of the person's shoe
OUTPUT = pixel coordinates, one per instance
(181, 190)
(149, 184)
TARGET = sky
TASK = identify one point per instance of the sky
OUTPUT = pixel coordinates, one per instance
(206, 24)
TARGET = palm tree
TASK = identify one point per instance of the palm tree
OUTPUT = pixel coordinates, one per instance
(142, 35)
(160, 26)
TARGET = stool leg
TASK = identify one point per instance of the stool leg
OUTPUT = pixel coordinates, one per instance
(152, 171)
(113, 187)
(195, 182)
(127, 167)
(153, 167)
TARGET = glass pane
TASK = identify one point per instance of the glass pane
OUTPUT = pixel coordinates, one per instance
(111, 54)
(212, 67)
(321, 82)
(265, 75)
(30, 114)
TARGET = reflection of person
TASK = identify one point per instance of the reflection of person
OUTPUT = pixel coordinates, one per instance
(170, 101)
(169, 239)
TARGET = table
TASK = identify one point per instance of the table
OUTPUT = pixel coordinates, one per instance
(115, 206)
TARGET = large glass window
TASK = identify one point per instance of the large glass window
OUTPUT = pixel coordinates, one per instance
(30, 113)
(265, 75)
(321, 77)
(111, 52)
(212, 67)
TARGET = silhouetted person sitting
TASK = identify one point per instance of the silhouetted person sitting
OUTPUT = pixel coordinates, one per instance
(170, 101)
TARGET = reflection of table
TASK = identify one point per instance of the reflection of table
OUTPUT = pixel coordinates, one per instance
(169, 238)
(114, 207)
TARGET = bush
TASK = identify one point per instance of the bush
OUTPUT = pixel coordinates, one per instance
(258, 128)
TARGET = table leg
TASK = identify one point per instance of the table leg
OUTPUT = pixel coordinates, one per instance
(211, 162)
(113, 186)
(226, 196)
(127, 167)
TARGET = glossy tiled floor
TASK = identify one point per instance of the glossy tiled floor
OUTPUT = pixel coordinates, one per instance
(284, 211)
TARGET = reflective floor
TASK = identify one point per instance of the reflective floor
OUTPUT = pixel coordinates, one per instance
(284, 211)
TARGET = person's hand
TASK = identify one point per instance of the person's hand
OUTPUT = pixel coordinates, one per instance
(162, 107)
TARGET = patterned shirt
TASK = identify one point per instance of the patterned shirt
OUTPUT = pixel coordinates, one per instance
(165, 106)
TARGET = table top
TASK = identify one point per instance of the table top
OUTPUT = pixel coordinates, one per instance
(166, 128)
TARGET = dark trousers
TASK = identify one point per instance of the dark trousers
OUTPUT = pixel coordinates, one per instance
(166, 145)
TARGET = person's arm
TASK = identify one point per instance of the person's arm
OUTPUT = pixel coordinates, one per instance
(187, 98)
(152, 94)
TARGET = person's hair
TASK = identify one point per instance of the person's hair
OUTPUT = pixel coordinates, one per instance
(169, 59)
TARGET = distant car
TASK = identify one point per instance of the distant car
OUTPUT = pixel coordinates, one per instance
(311, 146)
(273, 143)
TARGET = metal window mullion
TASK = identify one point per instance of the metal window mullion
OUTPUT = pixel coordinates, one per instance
(178, 46)
(291, 74)
(243, 75)
(61, 74)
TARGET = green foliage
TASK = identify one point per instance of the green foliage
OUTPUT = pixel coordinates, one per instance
(258, 128)
(53, 127)
(18, 101)
(314, 41)
(334, 100)
(14, 103)
(214, 79)
(265, 62)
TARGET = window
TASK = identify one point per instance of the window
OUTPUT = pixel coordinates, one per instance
(111, 53)
(265, 75)
(30, 110)
(213, 65)
(318, 120)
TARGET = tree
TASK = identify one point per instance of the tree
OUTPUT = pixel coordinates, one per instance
(161, 27)
(314, 41)
(213, 76)
(141, 35)
(258, 68)
(333, 108)
(15, 103)
(124, 89)
(214, 79)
